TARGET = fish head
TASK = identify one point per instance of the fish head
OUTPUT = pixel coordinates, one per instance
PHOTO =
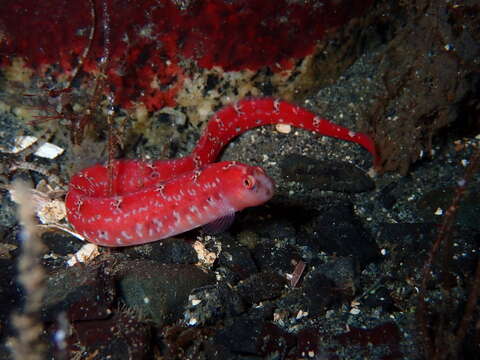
(246, 186)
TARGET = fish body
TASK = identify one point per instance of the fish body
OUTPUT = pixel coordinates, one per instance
(149, 201)
(182, 203)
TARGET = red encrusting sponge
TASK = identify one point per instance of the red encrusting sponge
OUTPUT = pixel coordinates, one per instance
(150, 39)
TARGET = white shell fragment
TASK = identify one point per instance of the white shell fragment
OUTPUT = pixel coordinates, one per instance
(205, 257)
(86, 253)
(49, 211)
(47, 150)
(283, 128)
(21, 143)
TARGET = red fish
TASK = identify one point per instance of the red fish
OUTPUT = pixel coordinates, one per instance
(159, 199)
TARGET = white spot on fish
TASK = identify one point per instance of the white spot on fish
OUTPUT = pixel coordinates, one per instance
(151, 232)
(238, 109)
(276, 106)
(176, 216)
(193, 209)
(126, 235)
(158, 223)
(139, 230)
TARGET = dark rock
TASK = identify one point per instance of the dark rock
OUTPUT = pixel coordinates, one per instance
(307, 342)
(379, 342)
(227, 275)
(409, 239)
(319, 293)
(255, 337)
(276, 219)
(408, 234)
(192, 343)
(337, 231)
(10, 293)
(160, 291)
(468, 211)
(61, 246)
(417, 238)
(167, 251)
(84, 292)
(121, 336)
(3, 232)
(325, 175)
(266, 285)
(281, 229)
(8, 214)
(237, 259)
(248, 238)
(61, 243)
(389, 194)
(381, 298)
(212, 303)
(271, 254)
(342, 272)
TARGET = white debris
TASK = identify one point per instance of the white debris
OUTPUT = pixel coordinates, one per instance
(448, 47)
(355, 311)
(195, 302)
(301, 314)
(205, 257)
(86, 253)
(21, 143)
(52, 211)
(47, 150)
(48, 210)
(283, 128)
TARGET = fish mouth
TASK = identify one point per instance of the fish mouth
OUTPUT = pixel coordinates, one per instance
(267, 184)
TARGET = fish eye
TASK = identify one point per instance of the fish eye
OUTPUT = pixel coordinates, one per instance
(249, 182)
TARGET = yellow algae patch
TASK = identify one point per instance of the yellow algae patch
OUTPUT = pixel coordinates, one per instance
(18, 72)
